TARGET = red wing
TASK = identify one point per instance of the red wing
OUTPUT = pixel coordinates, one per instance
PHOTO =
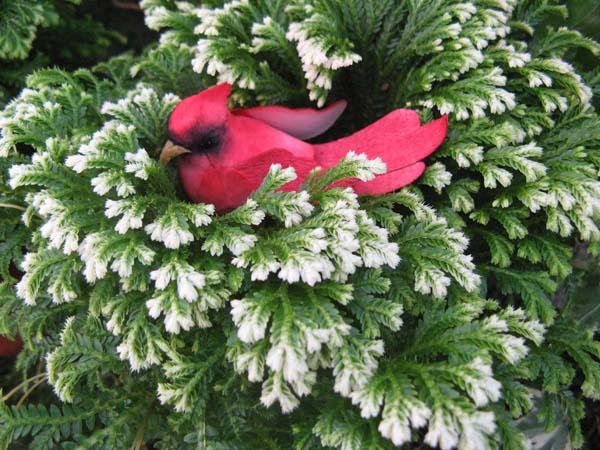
(245, 179)
(229, 187)
(390, 139)
(255, 169)
(303, 123)
(390, 181)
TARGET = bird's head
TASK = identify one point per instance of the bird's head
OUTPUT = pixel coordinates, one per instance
(198, 123)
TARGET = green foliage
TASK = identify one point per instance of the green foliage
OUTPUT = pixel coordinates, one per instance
(34, 33)
(18, 28)
(309, 319)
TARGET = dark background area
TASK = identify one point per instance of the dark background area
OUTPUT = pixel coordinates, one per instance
(123, 18)
(86, 34)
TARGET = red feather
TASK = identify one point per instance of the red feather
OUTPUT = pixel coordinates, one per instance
(303, 123)
(250, 140)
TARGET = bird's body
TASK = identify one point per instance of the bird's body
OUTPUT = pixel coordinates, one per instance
(230, 152)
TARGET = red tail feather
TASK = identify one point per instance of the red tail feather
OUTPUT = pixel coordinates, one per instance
(390, 181)
(396, 138)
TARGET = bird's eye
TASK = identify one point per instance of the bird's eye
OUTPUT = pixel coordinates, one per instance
(207, 141)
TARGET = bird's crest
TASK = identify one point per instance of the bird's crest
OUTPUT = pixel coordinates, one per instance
(207, 109)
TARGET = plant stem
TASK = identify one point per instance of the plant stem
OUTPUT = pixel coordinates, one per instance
(31, 389)
(18, 387)
(13, 206)
(139, 436)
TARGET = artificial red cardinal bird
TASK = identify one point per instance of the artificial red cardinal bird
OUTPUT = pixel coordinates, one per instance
(8, 347)
(223, 155)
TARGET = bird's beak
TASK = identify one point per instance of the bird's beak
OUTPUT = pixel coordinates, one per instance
(170, 151)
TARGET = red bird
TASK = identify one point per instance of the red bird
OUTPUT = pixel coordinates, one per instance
(225, 154)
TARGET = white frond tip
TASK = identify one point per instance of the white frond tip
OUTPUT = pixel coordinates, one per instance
(286, 175)
(276, 390)
(169, 234)
(366, 169)
(396, 430)
(138, 163)
(175, 322)
(77, 162)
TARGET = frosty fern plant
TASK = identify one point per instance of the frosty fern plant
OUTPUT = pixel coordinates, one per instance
(364, 321)
(24, 30)
(519, 171)
(124, 240)
(148, 255)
